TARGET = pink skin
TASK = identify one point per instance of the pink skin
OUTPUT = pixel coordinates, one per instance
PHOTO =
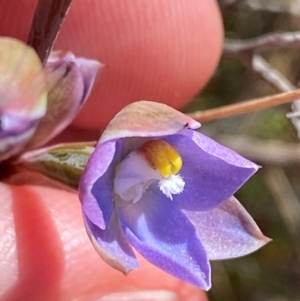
(45, 252)
(167, 60)
(48, 256)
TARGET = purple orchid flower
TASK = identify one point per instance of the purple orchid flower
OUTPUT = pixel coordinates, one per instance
(155, 184)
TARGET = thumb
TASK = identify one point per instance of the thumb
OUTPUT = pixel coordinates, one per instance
(45, 253)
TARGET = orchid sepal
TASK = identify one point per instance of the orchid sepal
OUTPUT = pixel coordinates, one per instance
(143, 119)
(69, 81)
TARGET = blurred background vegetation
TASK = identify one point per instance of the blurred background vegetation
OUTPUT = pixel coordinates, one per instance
(272, 195)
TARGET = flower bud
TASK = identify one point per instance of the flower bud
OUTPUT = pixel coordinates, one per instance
(69, 81)
(23, 95)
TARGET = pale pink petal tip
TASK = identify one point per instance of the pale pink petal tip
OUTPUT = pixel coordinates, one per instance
(150, 119)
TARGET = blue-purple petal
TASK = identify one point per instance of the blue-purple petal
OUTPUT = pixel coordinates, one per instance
(96, 190)
(112, 245)
(15, 132)
(161, 233)
(212, 173)
(227, 231)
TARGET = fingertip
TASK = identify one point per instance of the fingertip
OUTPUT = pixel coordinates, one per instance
(16, 18)
(53, 258)
(164, 51)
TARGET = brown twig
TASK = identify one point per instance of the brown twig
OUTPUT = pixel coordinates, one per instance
(279, 83)
(246, 52)
(246, 106)
(269, 41)
(291, 7)
(48, 18)
(276, 79)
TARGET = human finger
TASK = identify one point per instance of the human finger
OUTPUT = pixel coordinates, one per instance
(46, 254)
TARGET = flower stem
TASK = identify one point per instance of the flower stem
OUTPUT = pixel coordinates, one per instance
(246, 106)
(48, 17)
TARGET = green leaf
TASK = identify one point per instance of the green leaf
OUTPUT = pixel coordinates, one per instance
(63, 163)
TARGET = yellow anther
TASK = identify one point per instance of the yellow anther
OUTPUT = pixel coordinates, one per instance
(162, 156)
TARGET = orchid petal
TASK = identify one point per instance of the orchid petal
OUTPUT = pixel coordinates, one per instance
(96, 190)
(227, 231)
(22, 82)
(88, 68)
(112, 245)
(12, 141)
(132, 176)
(216, 149)
(211, 174)
(161, 233)
(69, 82)
(147, 119)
